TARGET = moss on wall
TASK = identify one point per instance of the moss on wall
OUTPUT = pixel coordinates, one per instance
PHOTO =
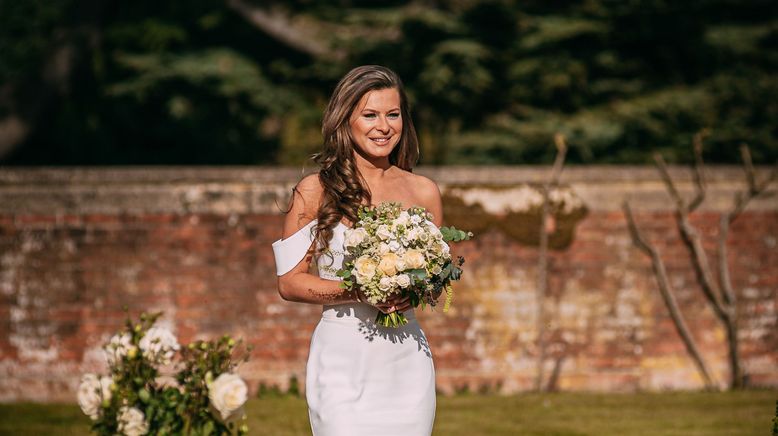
(513, 209)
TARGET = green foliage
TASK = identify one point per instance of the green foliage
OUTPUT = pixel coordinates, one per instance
(491, 81)
(136, 381)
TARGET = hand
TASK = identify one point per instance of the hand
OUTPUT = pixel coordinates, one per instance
(395, 303)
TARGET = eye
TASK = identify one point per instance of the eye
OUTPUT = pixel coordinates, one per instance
(369, 115)
(394, 115)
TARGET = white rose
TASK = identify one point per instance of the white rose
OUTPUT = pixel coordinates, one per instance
(132, 422)
(354, 237)
(385, 283)
(434, 231)
(383, 248)
(401, 265)
(394, 246)
(384, 232)
(228, 393)
(159, 345)
(119, 346)
(437, 270)
(92, 392)
(403, 280)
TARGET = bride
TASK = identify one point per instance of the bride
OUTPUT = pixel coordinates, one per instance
(361, 379)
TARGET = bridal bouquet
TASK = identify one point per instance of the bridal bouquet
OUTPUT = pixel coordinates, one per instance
(202, 395)
(394, 251)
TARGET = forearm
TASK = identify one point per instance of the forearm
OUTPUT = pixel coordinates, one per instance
(308, 288)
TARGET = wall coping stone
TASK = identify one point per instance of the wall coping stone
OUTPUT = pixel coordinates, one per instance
(265, 190)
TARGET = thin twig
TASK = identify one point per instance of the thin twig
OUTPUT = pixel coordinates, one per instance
(699, 170)
(553, 180)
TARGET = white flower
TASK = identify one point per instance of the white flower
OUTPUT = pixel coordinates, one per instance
(394, 246)
(354, 237)
(159, 345)
(132, 422)
(400, 265)
(384, 232)
(414, 259)
(383, 248)
(403, 280)
(437, 270)
(388, 264)
(434, 231)
(228, 393)
(385, 283)
(118, 347)
(415, 219)
(92, 392)
(403, 218)
(365, 268)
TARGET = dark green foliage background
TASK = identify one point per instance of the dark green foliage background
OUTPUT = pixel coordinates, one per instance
(194, 82)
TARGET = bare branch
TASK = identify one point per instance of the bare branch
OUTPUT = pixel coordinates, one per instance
(693, 242)
(699, 170)
(724, 278)
(665, 174)
(748, 166)
(754, 189)
(279, 25)
(668, 296)
(556, 170)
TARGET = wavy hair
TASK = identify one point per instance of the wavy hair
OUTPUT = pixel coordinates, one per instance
(344, 188)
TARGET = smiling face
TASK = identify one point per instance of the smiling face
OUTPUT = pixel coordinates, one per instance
(376, 123)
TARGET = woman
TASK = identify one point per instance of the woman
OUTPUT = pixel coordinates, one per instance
(362, 379)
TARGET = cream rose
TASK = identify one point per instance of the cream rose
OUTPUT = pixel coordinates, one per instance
(414, 259)
(384, 232)
(388, 264)
(354, 237)
(403, 280)
(132, 422)
(92, 392)
(365, 268)
(228, 393)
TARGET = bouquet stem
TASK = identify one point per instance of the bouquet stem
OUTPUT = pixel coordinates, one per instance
(394, 319)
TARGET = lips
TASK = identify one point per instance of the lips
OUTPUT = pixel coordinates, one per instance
(381, 140)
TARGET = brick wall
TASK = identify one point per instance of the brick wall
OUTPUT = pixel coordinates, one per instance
(76, 245)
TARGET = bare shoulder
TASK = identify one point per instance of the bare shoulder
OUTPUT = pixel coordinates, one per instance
(304, 203)
(428, 194)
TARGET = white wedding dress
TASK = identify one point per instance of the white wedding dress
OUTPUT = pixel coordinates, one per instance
(362, 379)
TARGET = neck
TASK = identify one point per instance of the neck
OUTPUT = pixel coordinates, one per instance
(370, 167)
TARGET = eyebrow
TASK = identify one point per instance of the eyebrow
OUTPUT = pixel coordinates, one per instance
(375, 110)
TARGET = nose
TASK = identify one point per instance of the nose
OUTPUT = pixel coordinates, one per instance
(382, 125)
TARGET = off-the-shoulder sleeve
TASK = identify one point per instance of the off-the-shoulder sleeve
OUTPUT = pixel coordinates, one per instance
(290, 251)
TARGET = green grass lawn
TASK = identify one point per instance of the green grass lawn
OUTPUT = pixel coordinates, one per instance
(683, 413)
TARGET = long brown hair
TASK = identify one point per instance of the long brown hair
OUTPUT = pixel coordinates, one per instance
(344, 188)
